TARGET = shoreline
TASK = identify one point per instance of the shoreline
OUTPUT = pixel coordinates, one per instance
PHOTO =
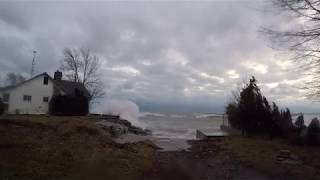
(71, 147)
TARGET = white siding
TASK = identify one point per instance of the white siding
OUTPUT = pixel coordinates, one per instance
(37, 90)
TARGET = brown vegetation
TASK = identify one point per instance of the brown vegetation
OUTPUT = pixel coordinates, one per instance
(39, 147)
(260, 153)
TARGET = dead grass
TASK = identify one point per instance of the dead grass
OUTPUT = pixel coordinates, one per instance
(40, 147)
(260, 153)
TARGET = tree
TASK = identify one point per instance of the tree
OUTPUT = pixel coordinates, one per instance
(275, 121)
(231, 111)
(250, 110)
(79, 65)
(252, 114)
(302, 39)
(286, 124)
(299, 123)
(1, 107)
(14, 79)
(314, 132)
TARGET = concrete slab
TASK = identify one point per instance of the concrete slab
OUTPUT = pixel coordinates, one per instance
(210, 133)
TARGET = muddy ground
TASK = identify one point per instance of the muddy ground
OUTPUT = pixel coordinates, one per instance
(205, 160)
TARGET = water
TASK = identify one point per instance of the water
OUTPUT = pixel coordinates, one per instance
(184, 125)
(179, 126)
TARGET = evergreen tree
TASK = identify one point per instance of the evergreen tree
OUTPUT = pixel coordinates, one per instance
(299, 123)
(252, 113)
(314, 132)
(1, 107)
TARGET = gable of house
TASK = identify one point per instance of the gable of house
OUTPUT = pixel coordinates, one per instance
(33, 96)
(29, 97)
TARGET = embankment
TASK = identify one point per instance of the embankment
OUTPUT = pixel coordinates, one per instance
(47, 147)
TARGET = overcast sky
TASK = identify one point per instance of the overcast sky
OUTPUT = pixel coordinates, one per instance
(165, 56)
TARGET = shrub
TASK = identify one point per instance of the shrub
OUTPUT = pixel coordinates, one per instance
(69, 105)
(1, 107)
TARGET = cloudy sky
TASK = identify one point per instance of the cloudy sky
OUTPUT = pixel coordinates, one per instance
(163, 55)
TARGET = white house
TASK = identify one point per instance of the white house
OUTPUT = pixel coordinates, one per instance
(33, 96)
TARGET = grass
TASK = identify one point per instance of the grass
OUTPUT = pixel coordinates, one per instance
(40, 147)
(260, 152)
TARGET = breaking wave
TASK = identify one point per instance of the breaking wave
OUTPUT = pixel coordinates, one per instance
(126, 109)
(201, 116)
(143, 114)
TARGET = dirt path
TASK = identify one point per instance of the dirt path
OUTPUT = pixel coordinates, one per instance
(205, 160)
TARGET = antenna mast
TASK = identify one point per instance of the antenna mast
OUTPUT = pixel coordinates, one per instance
(33, 63)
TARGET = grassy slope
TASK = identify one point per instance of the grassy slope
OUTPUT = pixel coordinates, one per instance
(38, 147)
(260, 153)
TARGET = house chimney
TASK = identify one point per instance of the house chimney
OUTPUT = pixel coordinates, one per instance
(57, 76)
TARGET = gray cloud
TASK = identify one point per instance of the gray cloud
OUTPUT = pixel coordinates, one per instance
(179, 55)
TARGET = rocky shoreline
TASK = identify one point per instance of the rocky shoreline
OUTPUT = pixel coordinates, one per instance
(120, 126)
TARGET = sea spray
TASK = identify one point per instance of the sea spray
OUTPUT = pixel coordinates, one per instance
(126, 109)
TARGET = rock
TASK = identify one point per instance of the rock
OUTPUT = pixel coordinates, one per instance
(139, 131)
(118, 130)
(284, 153)
(291, 162)
(148, 132)
(280, 159)
(285, 157)
(122, 126)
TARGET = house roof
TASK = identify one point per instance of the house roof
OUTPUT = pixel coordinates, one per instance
(19, 84)
(68, 87)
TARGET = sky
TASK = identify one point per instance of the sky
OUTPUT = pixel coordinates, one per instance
(162, 55)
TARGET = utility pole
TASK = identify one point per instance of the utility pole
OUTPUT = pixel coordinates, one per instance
(33, 63)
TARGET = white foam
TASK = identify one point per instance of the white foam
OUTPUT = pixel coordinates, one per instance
(142, 114)
(126, 109)
(201, 116)
(162, 134)
(177, 116)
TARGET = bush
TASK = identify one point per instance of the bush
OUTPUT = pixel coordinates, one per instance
(1, 107)
(69, 105)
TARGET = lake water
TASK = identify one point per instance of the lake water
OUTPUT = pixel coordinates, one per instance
(184, 125)
(179, 126)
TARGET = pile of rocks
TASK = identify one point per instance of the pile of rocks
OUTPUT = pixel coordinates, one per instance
(286, 157)
(120, 126)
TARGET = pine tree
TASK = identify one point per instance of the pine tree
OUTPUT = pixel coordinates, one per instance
(253, 114)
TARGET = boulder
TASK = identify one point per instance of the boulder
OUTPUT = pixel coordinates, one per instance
(286, 157)
(139, 131)
(118, 130)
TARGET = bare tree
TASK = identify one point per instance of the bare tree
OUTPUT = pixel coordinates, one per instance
(303, 38)
(14, 79)
(79, 65)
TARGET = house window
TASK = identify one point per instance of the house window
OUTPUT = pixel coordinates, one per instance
(6, 97)
(27, 98)
(45, 99)
(45, 80)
